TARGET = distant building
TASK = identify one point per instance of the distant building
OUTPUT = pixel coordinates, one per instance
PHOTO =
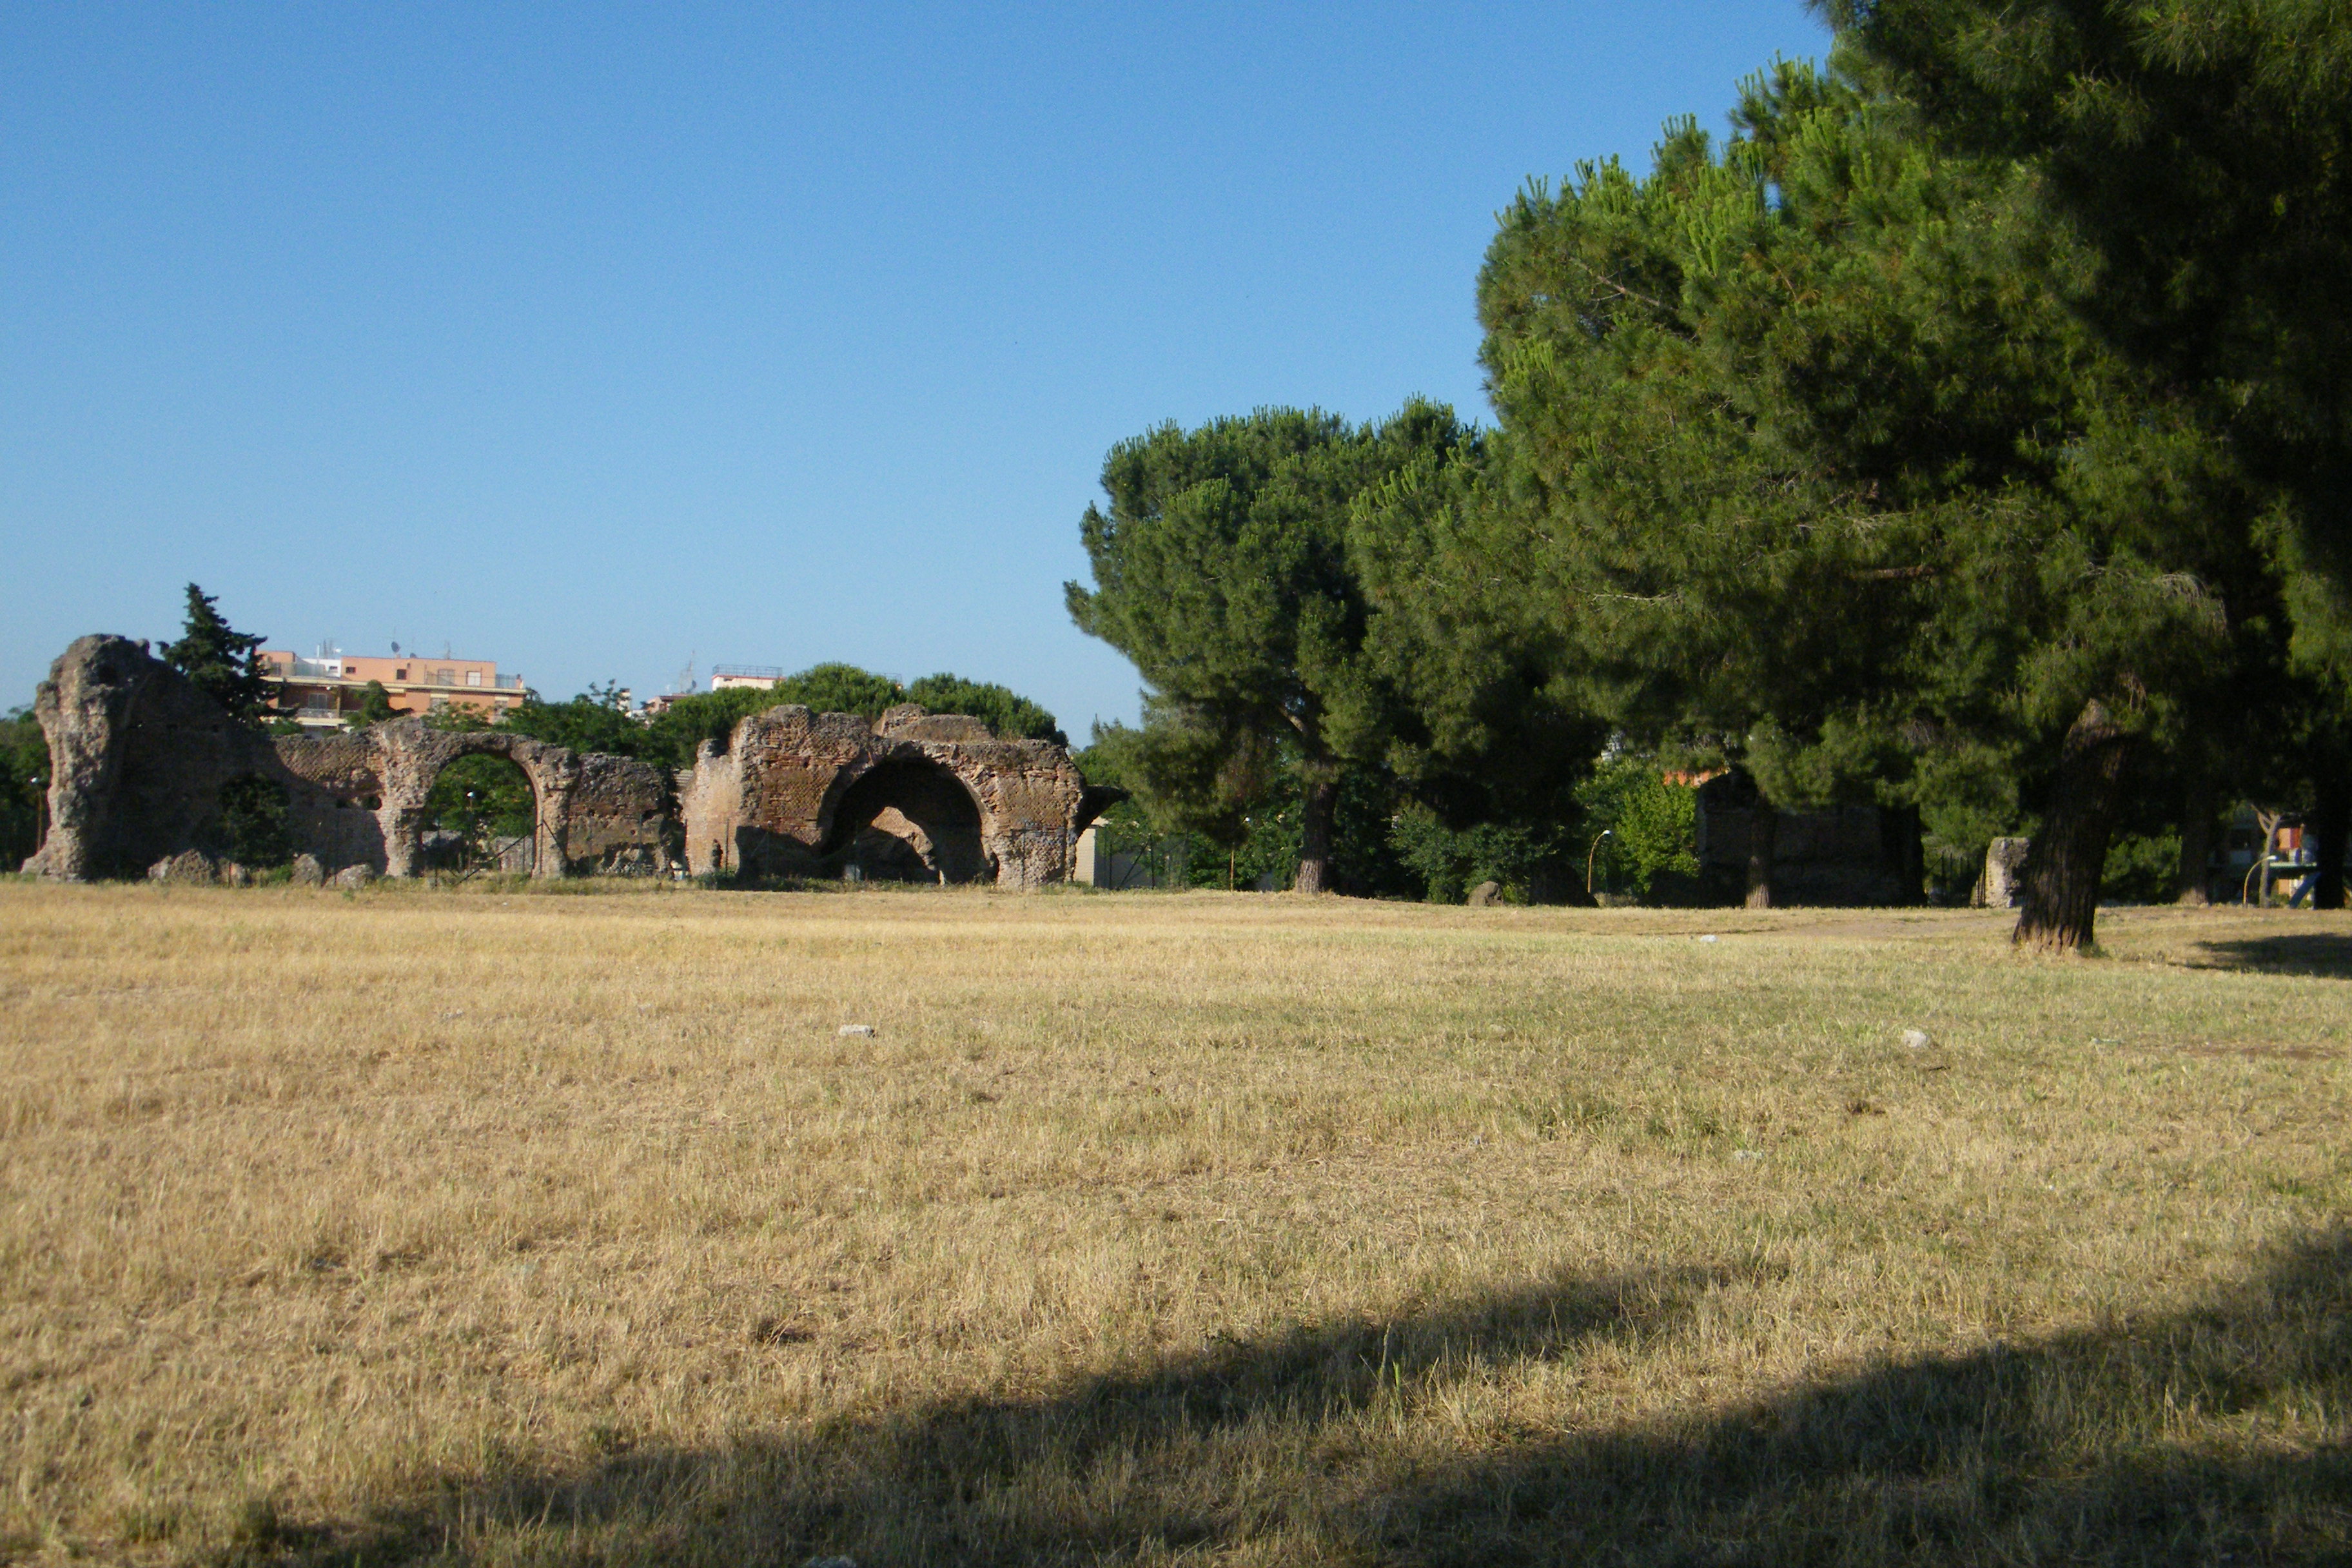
(756, 676)
(325, 690)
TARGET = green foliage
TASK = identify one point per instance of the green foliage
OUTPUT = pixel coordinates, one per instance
(1246, 829)
(1111, 757)
(1652, 824)
(2200, 155)
(375, 707)
(1487, 721)
(1194, 775)
(1805, 463)
(24, 783)
(482, 796)
(595, 720)
(2140, 868)
(838, 688)
(254, 826)
(220, 661)
(1221, 569)
(1267, 849)
(1528, 862)
(1007, 714)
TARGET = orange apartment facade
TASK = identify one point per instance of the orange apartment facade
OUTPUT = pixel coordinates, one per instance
(322, 693)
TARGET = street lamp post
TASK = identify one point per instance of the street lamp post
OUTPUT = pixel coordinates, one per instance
(1604, 833)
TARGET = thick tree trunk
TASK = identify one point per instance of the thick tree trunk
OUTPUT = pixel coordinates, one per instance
(1315, 837)
(2331, 834)
(2069, 856)
(2196, 841)
(1763, 834)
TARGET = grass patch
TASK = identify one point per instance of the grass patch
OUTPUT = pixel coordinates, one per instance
(475, 1226)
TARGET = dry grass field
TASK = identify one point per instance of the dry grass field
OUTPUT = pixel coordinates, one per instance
(505, 1227)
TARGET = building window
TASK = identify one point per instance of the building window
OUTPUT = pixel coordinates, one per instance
(473, 678)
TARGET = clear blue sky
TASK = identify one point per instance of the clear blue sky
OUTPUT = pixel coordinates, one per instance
(593, 339)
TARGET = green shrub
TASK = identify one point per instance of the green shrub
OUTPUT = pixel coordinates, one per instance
(482, 794)
(2140, 868)
(1525, 860)
(253, 822)
(1652, 826)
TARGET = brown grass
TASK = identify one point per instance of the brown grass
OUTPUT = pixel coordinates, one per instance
(502, 1227)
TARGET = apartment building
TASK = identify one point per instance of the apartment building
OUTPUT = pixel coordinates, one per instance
(324, 691)
(759, 676)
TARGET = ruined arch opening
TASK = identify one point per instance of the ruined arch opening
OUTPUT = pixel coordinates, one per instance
(907, 821)
(481, 814)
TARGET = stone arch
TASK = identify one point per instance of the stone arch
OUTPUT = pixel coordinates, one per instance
(481, 813)
(415, 756)
(906, 817)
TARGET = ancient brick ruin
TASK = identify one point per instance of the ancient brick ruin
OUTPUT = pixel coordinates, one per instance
(925, 796)
(140, 760)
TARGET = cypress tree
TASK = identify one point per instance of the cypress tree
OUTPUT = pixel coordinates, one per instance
(221, 661)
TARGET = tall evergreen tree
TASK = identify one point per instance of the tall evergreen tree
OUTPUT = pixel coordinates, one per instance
(2199, 155)
(1220, 569)
(1809, 468)
(221, 661)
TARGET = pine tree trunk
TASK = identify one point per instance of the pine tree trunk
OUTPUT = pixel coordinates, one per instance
(1763, 834)
(2069, 856)
(2331, 836)
(2196, 841)
(1315, 837)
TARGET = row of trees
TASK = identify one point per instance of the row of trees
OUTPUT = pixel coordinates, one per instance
(1961, 436)
(599, 720)
(224, 663)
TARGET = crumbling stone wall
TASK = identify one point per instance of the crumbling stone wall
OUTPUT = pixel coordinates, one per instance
(137, 761)
(337, 817)
(138, 756)
(770, 800)
(595, 812)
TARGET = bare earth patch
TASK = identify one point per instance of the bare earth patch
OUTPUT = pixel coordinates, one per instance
(509, 1226)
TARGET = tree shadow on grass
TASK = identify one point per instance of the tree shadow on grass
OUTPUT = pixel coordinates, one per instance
(1325, 1445)
(2307, 953)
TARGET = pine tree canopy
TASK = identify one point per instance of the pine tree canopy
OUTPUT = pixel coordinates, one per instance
(220, 661)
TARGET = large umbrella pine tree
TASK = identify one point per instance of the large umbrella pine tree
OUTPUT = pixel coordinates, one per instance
(1220, 569)
(2199, 156)
(1813, 468)
(1726, 563)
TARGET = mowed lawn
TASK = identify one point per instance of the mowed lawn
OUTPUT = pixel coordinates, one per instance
(504, 1226)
